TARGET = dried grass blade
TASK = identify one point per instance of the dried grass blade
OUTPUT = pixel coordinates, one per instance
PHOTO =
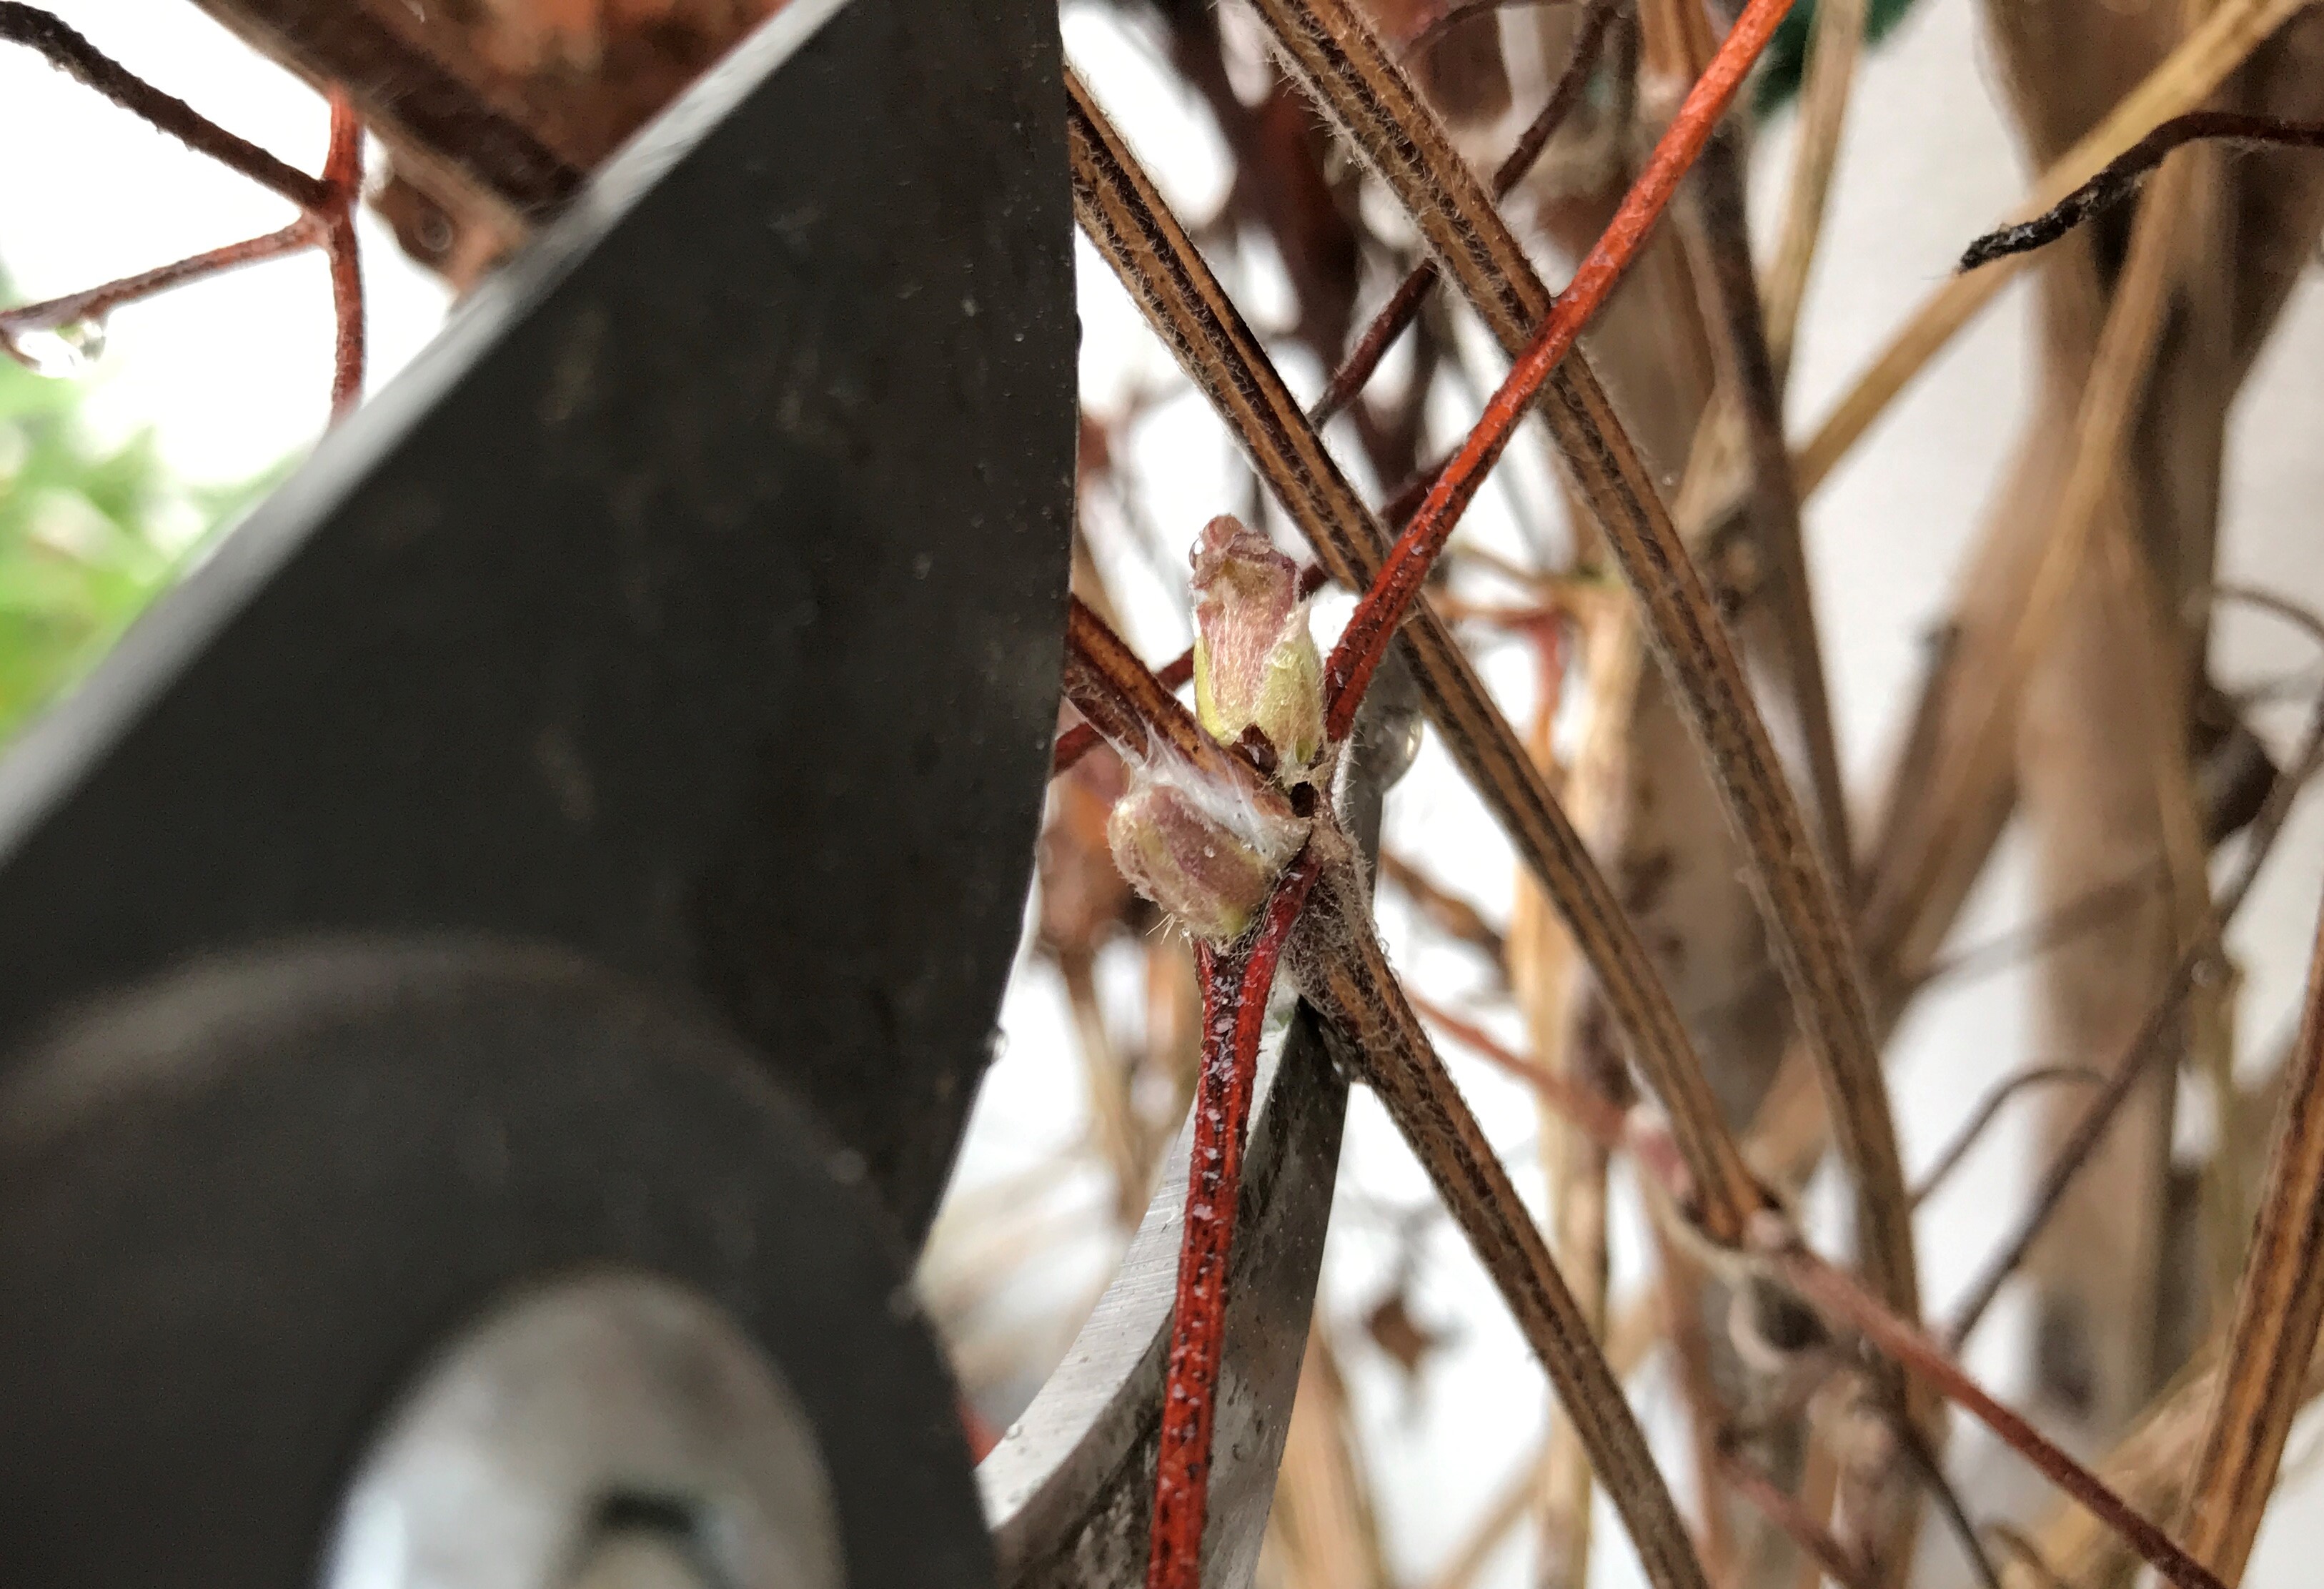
(1833, 48)
(2184, 79)
(2278, 1309)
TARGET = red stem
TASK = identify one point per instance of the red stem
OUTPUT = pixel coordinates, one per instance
(1383, 607)
(94, 303)
(343, 175)
(1235, 984)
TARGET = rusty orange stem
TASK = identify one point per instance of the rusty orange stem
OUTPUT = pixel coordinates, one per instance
(1235, 983)
(1383, 607)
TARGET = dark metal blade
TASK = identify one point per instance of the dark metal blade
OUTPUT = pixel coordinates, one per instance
(695, 602)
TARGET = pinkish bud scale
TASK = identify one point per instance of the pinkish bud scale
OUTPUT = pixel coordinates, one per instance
(1256, 665)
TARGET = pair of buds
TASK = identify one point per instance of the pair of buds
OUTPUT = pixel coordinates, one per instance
(1206, 853)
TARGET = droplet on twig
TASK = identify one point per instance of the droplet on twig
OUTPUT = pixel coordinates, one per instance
(59, 352)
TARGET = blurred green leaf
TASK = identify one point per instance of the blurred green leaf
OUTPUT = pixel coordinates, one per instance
(1785, 61)
(89, 534)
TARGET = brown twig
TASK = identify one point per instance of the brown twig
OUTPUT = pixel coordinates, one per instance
(2120, 179)
(1755, 382)
(2203, 59)
(1987, 1112)
(1395, 316)
(1442, 18)
(2149, 1042)
(76, 56)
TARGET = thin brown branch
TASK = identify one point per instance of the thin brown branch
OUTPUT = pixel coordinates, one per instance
(1987, 1112)
(1441, 18)
(2229, 33)
(2119, 179)
(2278, 1308)
(72, 54)
(1341, 971)
(2151, 1041)
(1403, 306)
(1755, 380)
(2093, 909)
(1120, 212)
(1846, 1305)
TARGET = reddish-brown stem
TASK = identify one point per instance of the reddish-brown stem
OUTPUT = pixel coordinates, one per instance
(1841, 1300)
(1365, 640)
(1403, 306)
(343, 175)
(1441, 18)
(1786, 1513)
(94, 303)
(1236, 980)
(69, 52)
(1603, 1121)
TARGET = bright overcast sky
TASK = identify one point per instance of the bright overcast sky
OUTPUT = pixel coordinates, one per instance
(235, 373)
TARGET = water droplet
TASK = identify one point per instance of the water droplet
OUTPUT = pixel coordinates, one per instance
(921, 565)
(62, 353)
(846, 1167)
